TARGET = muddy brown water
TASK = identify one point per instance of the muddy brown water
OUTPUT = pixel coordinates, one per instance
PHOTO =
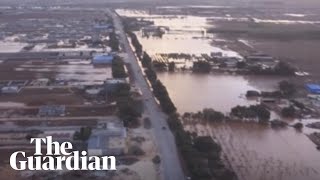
(257, 152)
(193, 92)
(253, 151)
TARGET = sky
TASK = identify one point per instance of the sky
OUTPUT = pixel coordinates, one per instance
(298, 3)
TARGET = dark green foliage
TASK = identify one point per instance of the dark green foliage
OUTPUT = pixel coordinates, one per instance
(146, 61)
(251, 112)
(172, 66)
(114, 42)
(298, 104)
(262, 113)
(162, 95)
(288, 89)
(83, 134)
(156, 159)
(283, 68)
(129, 109)
(212, 115)
(201, 66)
(201, 154)
(136, 44)
(136, 150)
(288, 112)
(252, 93)
(272, 94)
(195, 153)
(151, 75)
(241, 64)
(206, 144)
(123, 90)
(159, 66)
(118, 70)
(298, 126)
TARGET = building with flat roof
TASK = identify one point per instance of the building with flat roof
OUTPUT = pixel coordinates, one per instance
(313, 88)
(111, 140)
(10, 90)
(52, 110)
(102, 59)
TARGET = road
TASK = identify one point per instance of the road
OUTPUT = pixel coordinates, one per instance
(170, 163)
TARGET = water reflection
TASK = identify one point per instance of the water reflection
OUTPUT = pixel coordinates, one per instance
(192, 92)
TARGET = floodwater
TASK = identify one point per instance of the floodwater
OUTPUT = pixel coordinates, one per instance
(187, 34)
(193, 92)
(252, 150)
(258, 152)
(75, 71)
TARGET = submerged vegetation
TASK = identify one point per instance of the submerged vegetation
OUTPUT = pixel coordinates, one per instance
(118, 69)
(202, 155)
(259, 112)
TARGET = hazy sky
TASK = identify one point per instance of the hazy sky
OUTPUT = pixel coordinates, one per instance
(310, 3)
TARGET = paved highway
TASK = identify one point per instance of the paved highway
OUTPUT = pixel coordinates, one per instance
(170, 163)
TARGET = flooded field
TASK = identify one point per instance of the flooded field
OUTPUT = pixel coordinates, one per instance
(194, 92)
(257, 152)
(252, 150)
(85, 72)
(186, 34)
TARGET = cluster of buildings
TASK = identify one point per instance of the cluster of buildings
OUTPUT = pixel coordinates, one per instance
(12, 87)
(52, 44)
(102, 59)
(314, 93)
(108, 139)
(263, 60)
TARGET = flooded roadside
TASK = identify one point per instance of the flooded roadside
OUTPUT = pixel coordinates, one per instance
(254, 151)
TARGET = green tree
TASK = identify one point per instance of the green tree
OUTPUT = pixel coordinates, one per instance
(212, 115)
(288, 89)
(113, 42)
(118, 70)
(288, 112)
(172, 66)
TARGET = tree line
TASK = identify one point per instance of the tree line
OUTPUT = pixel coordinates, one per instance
(202, 155)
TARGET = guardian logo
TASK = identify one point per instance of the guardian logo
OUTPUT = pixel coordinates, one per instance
(58, 157)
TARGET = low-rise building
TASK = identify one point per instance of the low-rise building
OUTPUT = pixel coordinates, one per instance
(259, 57)
(52, 110)
(102, 59)
(109, 140)
(10, 90)
(313, 88)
